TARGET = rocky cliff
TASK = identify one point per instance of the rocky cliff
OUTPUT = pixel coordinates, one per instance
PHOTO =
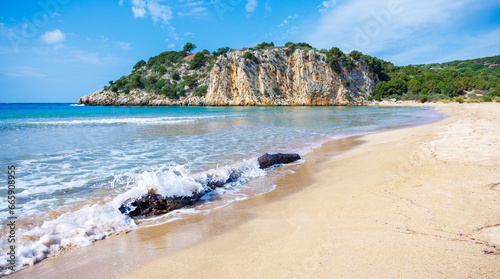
(275, 76)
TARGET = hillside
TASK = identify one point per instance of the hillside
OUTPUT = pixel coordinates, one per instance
(295, 74)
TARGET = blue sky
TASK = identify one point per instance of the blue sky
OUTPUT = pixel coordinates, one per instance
(60, 50)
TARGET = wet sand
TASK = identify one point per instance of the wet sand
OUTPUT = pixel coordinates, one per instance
(419, 202)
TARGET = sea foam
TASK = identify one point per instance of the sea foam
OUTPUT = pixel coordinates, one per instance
(95, 222)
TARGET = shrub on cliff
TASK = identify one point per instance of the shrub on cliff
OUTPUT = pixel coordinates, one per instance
(348, 63)
(221, 51)
(263, 45)
(198, 61)
(355, 54)
(249, 55)
(176, 76)
(139, 64)
(202, 91)
(136, 82)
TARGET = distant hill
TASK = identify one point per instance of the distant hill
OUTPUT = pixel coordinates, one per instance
(294, 74)
(439, 81)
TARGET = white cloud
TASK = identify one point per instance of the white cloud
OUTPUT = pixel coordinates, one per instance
(159, 12)
(53, 37)
(85, 57)
(24, 72)
(326, 5)
(267, 6)
(189, 34)
(285, 22)
(192, 4)
(139, 8)
(393, 26)
(123, 45)
(193, 12)
(293, 16)
(120, 3)
(171, 46)
(251, 5)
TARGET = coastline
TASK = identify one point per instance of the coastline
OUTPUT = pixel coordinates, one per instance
(417, 202)
(364, 224)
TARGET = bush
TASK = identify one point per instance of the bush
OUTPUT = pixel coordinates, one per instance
(494, 93)
(198, 60)
(248, 55)
(221, 51)
(202, 91)
(161, 70)
(348, 64)
(176, 76)
(136, 82)
(377, 97)
(332, 57)
(190, 81)
(458, 99)
(473, 101)
(497, 99)
(139, 64)
(472, 96)
(487, 99)
(355, 54)
(263, 45)
(423, 98)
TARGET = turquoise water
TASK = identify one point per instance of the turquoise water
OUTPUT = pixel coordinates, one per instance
(75, 164)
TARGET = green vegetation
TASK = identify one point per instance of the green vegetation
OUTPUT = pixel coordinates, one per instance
(221, 51)
(199, 60)
(188, 47)
(438, 81)
(263, 46)
(139, 64)
(176, 76)
(249, 55)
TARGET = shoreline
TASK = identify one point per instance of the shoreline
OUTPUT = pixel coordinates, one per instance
(247, 228)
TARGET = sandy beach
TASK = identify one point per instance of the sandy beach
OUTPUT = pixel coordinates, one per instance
(422, 202)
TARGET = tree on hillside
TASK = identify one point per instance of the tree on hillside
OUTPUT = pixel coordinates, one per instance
(139, 64)
(355, 54)
(188, 47)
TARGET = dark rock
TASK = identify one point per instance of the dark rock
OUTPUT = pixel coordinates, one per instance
(268, 160)
(153, 204)
(156, 204)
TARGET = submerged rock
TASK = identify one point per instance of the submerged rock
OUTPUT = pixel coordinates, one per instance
(153, 204)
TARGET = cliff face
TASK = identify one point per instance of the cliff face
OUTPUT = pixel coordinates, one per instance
(269, 77)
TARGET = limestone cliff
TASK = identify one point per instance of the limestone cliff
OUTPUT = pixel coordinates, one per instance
(266, 77)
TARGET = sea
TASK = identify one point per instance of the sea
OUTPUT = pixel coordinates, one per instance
(75, 165)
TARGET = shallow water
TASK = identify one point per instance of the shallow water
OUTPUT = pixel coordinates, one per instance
(75, 165)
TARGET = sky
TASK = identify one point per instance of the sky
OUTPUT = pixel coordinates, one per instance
(59, 50)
